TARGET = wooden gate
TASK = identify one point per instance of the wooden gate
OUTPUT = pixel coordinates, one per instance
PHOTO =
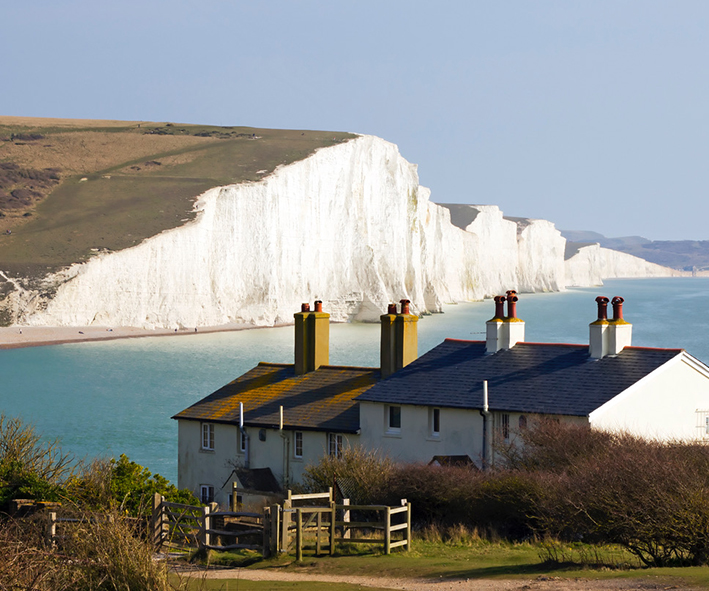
(175, 525)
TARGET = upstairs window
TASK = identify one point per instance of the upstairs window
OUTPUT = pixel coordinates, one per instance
(434, 422)
(334, 444)
(505, 426)
(394, 419)
(242, 440)
(298, 444)
(208, 436)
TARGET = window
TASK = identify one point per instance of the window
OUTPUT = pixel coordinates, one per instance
(208, 436)
(298, 444)
(505, 426)
(394, 419)
(206, 493)
(434, 421)
(334, 444)
(522, 422)
(242, 440)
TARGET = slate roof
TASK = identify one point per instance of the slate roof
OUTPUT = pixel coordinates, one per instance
(321, 400)
(530, 377)
(258, 480)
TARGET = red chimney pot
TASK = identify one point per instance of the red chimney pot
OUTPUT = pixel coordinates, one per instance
(617, 303)
(512, 304)
(391, 309)
(602, 302)
(318, 305)
(499, 306)
(405, 306)
(305, 307)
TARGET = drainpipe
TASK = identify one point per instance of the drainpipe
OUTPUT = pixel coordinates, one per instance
(286, 450)
(486, 419)
(245, 435)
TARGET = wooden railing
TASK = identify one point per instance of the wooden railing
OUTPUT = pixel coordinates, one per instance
(279, 528)
(175, 525)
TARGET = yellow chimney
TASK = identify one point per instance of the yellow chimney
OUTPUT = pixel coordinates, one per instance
(399, 339)
(312, 338)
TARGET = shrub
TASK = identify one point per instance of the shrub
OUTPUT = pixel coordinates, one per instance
(362, 475)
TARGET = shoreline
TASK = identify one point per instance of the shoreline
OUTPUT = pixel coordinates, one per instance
(19, 337)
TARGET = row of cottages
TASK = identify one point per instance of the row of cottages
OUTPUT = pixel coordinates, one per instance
(455, 403)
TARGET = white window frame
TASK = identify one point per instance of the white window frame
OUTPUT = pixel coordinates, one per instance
(206, 493)
(434, 422)
(393, 412)
(335, 444)
(298, 444)
(207, 432)
(505, 426)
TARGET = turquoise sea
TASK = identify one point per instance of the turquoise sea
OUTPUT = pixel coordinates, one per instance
(104, 399)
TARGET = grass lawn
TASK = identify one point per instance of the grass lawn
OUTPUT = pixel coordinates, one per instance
(474, 560)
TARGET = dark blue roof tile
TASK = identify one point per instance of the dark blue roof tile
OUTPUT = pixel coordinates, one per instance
(530, 377)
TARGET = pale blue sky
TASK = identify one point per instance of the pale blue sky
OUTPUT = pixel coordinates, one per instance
(593, 115)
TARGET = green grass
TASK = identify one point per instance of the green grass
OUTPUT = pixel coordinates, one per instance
(473, 560)
(118, 212)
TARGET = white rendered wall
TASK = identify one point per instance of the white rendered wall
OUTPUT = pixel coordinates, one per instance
(460, 434)
(663, 405)
(197, 466)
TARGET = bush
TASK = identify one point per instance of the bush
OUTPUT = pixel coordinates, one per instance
(362, 475)
(132, 487)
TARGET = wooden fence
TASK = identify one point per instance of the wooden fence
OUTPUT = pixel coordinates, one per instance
(280, 527)
(322, 524)
(175, 525)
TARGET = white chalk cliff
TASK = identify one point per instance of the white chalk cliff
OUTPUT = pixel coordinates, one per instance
(349, 225)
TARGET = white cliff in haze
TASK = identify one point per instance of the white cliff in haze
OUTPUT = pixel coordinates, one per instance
(590, 264)
(349, 225)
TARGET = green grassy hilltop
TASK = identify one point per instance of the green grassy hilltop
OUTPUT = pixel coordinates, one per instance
(72, 188)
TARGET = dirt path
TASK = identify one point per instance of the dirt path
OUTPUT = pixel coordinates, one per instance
(539, 584)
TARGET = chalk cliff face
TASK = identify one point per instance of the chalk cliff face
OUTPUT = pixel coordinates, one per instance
(593, 263)
(349, 225)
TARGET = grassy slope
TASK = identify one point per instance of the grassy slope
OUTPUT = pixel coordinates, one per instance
(127, 196)
(476, 560)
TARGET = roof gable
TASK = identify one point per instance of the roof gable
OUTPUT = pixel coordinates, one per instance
(323, 399)
(530, 377)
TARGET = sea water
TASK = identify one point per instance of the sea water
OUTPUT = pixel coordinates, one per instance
(102, 399)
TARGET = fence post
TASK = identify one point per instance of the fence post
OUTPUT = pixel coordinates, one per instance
(387, 531)
(285, 523)
(317, 534)
(266, 540)
(156, 521)
(408, 527)
(234, 504)
(333, 516)
(203, 535)
(274, 542)
(346, 520)
(299, 534)
(52, 529)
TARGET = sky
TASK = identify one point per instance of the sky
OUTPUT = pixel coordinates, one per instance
(593, 115)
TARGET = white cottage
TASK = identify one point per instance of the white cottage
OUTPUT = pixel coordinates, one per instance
(452, 405)
(463, 397)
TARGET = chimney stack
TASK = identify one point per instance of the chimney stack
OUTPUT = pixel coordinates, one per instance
(504, 332)
(609, 337)
(312, 338)
(399, 339)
